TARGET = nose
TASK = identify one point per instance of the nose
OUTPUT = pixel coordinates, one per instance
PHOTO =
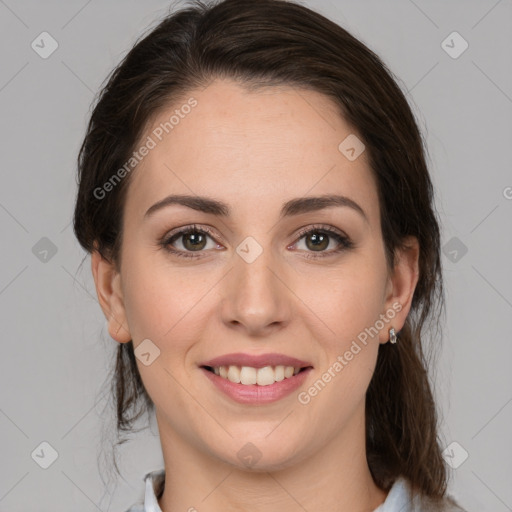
(256, 296)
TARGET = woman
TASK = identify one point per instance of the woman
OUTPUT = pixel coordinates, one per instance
(254, 195)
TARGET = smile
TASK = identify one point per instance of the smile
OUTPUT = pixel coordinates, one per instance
(248, 375)
(254, 393)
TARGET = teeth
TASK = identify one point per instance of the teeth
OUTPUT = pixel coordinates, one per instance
(247, 375)
(262, 376)
(234, 374)
(279, 373)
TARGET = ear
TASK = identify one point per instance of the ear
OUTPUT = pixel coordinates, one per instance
(110, 296)
(400, 287)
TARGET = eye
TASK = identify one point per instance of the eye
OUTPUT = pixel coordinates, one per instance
(193, 239)
(318, 238)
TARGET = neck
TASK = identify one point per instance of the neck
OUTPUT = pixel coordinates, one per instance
(336, 478)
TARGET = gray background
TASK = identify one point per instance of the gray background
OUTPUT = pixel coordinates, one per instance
(56, 350)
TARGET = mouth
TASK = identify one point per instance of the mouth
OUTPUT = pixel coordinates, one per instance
(250, 376)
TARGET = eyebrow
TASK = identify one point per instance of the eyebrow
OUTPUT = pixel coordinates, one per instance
(292, 207)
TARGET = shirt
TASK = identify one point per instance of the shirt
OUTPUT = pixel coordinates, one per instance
(399, 499)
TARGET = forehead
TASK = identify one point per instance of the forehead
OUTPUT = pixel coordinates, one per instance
(245, 147)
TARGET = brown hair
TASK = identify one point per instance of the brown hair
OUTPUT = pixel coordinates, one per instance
(275, 42)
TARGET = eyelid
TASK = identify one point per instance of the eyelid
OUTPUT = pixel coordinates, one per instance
(320, 227)
(188, 227)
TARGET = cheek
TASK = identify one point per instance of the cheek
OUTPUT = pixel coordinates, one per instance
(161, 306)
(350, 307)
(347, 300)
(159, 299)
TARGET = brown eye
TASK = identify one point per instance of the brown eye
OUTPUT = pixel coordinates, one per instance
(192, 239)
(317, 241)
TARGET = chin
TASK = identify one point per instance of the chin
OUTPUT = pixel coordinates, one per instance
(262, 454)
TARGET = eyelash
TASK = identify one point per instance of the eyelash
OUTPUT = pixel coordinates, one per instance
(345, 242)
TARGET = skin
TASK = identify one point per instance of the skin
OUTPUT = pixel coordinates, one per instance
(255, 151)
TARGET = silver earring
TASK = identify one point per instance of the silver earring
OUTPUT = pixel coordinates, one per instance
(392, 335)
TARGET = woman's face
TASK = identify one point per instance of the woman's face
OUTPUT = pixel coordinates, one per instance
(255, 283)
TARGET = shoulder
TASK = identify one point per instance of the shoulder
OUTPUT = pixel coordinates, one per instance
(402, 497)
(154, 486)
(427, 504)
(448, 504)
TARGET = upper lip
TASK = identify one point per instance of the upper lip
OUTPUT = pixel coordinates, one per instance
(255, 361)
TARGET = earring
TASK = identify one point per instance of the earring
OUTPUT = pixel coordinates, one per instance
(392, 335)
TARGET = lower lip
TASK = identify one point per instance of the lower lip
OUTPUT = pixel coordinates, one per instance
(254, 394)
